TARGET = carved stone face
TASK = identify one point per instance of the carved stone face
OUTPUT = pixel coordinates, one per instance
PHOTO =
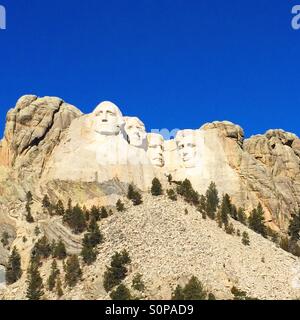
(156, 149)
(187, 148)
(109, 118)
(135, 130)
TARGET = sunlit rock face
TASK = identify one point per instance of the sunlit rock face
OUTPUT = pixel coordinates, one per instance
(97, 147)
(136, 132)
(201, 158)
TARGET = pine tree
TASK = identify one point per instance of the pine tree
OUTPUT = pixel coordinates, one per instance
(156, 189)
(95, 213)
(37, 231)
(138, 283)
(240, 295)
(194, 290)
(29, 217)
(47, 205)
(73, 271)
(68, 212)
(58, 289)
(226, 209)
(88, 253)
(46, 202)
(212, 200)
(35, 282)
(53, 276)
(120, 206)
(75, 219)
(219, 219)
(121, 293)
(117, 270)
(234, 212)
(137, 200)
(60, 210)
(172, 195)
(5, 239)
(134, 195)
(103, 213)
(229, 228)
(245, 239)
(42, 249)
(257, 220)
(186, 190)
(211, 296)
(29, 197)
(294, 227)
(242, 216)
(178, 294)
(90, 241)
(13, 270)
(87, 214)
(130, 192)
(95, 237)
(59, 250)
(202, 206)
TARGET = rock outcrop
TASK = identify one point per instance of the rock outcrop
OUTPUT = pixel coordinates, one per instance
(33, 128)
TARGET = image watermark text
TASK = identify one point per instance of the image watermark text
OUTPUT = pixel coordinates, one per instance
(2, 18)
(296, 18)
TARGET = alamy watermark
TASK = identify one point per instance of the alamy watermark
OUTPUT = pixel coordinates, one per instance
(296, 18)
(2, 18)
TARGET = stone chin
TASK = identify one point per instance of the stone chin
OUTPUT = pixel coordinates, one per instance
(108, 129)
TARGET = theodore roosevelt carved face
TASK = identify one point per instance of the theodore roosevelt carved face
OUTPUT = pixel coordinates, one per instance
(155, 149)
(135, 130)
(109, 118)
(187, 147)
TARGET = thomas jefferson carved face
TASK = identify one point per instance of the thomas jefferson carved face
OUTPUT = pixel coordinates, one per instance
(156, 149)
(187, 148)
(135, 130)
(109, 118)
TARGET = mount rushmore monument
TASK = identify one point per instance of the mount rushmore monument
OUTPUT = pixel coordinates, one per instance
(50, 147)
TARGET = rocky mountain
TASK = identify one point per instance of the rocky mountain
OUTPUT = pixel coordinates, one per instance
(51, 148)
(168, 244)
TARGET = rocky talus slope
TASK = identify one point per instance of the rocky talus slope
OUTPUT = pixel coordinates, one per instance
(168, 246)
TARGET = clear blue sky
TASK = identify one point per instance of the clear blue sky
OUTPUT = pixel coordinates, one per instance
(173, 63)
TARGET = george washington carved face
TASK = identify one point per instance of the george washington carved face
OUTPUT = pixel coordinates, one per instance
(109, 118)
